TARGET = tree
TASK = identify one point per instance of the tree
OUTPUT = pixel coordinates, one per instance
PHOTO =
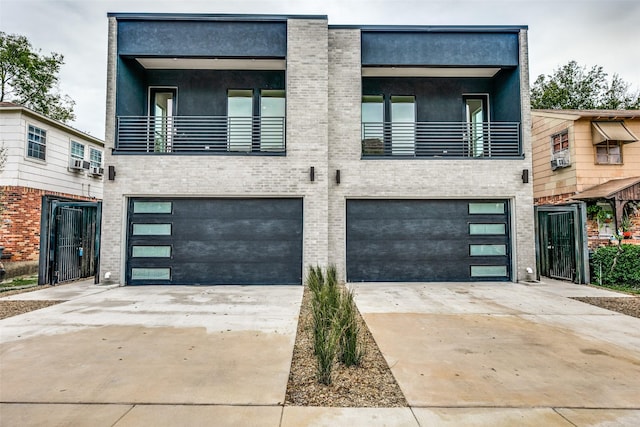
(30, 78)
(573, 87)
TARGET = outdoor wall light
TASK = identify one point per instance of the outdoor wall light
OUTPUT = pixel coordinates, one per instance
(312, 174)
(525, 176)
(338, 176)
(112, 173)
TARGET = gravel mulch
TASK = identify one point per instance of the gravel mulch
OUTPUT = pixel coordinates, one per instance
(625, 305)
(369, 385)
(13, 308)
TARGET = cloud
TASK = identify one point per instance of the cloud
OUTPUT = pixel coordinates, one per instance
(593, 32)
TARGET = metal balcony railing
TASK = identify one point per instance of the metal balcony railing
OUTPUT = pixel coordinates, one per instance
(441, 139)
(200, 135)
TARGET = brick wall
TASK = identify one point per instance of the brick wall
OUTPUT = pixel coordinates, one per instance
(416, 178)
(595, 240)
(323, 130)
(553, 200)
(235, 176)
(20, 228)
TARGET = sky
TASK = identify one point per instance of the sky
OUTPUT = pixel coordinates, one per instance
(591, 32)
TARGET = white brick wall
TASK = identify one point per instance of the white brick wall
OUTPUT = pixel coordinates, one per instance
(236, 176)
(323, 130)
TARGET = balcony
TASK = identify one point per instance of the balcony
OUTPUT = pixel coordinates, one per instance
(200, 135)
(441, 139)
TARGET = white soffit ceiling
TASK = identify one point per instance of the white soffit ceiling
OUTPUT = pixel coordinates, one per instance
(211, 64)
(427, 72)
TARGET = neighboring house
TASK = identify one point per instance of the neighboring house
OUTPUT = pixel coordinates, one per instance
(242, 149)
(47, 163)
(586, 168)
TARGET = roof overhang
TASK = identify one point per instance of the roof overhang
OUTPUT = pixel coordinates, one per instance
(611, 131)
(610, 189)
(428, 72)
(211, 63)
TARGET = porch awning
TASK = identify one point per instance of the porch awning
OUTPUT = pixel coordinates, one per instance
(611, 131)
(622, 189)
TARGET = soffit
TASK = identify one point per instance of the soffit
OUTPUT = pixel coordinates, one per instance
(428, 72)
(211, 64)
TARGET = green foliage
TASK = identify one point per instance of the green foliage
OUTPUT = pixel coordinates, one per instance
(617, 266)
(334, 323)
(20, 281)
(30, 79)
(351, 349)
(625, 225)
(324, 306)
(595, 211)
(573, 87)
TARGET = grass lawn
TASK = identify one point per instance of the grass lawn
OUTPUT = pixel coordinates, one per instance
(19, 281)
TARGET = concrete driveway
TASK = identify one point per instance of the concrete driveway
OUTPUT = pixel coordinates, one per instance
(494, 354)
(506, 354)
(121, 353)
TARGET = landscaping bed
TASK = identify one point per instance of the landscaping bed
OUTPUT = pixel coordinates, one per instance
(626, 305)
(370, 384)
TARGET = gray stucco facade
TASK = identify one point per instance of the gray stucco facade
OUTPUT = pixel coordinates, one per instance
(324, 82)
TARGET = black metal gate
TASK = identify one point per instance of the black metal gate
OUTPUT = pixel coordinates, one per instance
(70, 240)
(561, 248)
(561, 242)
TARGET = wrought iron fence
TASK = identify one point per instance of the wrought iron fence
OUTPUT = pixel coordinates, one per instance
(441, 139)
(200, 134)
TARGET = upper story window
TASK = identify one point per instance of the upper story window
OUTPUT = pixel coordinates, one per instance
(37, 142)
(95, 158)
(608, 138)
(272, 113)
(560, 141)
(609, 153)
(250, 133)
(77, 150)
(423, 125)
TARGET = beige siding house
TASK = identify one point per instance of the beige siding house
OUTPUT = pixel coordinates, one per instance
(589, 159)
(586, 184)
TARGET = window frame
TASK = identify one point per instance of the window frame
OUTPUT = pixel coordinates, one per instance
(92, 162)
(563, 139)
(42, 145)
(608, 144)
(73, 155)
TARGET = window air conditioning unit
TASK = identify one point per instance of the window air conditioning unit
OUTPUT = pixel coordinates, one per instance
(96, 171)
(560, 162)
(75, 164)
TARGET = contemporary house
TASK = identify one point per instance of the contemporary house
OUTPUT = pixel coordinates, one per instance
(51, 186)
(241, 149)
(586, 168)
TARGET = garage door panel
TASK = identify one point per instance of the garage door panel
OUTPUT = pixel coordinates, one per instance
(404, 209)
(237, 208)
(239, 273)
(417, 250)
(427, 240)
(217, 241)
(235, 251)
(238, 229)
(410, 272)
(395, 228)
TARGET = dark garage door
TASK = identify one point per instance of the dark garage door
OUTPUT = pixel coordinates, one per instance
(427, 240)
(214, 241)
